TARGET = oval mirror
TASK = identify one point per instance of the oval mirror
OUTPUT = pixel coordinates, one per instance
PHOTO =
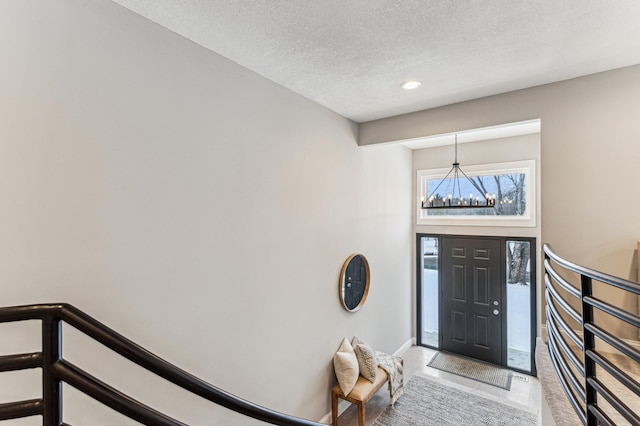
(354, 282)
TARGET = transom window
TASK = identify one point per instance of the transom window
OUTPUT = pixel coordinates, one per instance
(507, 188)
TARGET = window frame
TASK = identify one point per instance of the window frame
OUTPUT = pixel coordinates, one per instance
(528, 219)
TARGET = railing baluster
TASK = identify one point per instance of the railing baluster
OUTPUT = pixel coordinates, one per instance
(51, 385)
(20, 361)
(588, 344)
(615, 402)
(19, 409)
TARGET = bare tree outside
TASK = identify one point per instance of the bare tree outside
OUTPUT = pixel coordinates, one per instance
(518, 253)
(509, 191)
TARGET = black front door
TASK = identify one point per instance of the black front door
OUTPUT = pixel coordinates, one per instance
(471, 302)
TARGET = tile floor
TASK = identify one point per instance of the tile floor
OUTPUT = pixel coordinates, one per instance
(523, 394)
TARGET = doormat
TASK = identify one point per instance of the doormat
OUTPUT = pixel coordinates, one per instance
(472, 369)
(428, 401)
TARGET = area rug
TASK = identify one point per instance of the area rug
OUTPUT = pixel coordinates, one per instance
(427, 402)
(472, 369)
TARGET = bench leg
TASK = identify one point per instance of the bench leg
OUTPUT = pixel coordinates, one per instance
(334, 409)
(361, 407)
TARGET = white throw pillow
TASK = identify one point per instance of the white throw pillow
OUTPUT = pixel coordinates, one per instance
(345, 365)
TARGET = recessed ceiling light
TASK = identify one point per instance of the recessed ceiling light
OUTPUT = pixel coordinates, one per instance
(410, 85)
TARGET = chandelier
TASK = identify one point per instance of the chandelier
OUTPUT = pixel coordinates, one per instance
(454, 199)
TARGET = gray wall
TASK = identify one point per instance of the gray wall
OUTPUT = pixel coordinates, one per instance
(590, 153)
(197, 208)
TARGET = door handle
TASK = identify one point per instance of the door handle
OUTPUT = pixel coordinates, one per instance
(496, 312)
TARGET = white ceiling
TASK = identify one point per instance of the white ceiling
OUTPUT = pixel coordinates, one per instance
(352, 55)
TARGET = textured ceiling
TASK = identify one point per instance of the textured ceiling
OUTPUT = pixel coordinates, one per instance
(351, 56)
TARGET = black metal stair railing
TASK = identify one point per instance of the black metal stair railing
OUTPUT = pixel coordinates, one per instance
(579, 352)
(56, 370)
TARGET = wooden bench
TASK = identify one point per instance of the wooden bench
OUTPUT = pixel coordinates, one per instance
(359, 395)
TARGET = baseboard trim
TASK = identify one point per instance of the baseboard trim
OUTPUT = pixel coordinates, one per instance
(343, 405)
(405, 346)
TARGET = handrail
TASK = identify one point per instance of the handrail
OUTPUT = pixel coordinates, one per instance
(56, 370)
(590, 387)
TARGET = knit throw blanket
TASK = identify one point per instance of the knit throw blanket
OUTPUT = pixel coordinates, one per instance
(393, 366)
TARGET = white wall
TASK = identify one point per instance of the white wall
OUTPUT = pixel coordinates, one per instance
(589, 162)
(195, 207)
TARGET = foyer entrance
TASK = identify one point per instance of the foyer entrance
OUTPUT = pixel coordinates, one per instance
(476, 297)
